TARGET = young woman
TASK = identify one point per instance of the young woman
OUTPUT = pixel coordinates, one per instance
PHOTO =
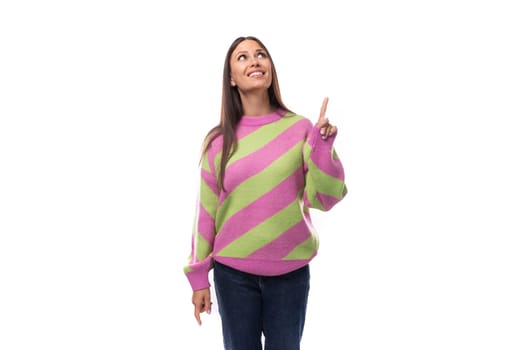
(263, 168)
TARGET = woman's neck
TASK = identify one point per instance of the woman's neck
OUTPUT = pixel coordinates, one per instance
(256, 104)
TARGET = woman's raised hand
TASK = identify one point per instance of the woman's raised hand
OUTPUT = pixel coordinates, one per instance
(326, 129)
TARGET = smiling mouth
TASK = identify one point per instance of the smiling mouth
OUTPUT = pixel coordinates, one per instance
(256, 74)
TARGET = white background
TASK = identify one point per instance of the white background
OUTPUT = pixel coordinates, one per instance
(103, 106)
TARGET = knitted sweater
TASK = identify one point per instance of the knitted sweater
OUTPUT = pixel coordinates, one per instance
(261, 224)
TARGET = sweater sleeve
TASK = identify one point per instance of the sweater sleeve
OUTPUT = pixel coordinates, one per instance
(203, 233)
(325, 177)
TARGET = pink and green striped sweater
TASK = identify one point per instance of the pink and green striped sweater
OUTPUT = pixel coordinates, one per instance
(262, 223)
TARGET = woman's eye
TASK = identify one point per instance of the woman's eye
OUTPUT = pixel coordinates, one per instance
(261, 55)
(241, 58)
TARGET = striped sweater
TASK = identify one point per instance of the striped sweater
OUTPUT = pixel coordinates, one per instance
(261, 224)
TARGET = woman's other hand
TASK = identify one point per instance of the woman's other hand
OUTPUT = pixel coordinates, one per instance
(202, 301)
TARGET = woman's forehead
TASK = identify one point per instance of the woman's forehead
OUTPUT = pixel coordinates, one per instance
(248, 45)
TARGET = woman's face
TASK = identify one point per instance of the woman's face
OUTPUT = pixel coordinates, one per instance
(251, 68)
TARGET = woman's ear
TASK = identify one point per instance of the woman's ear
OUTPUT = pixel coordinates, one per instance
(232, 83)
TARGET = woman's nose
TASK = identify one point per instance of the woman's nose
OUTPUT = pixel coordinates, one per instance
(254, 61)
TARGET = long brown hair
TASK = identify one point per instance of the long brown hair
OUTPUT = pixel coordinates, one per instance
(231, 108)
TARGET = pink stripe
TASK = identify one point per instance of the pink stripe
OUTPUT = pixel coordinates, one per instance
(306, 201)
(334, 169)
(198, 278)
(213, 151)
(244, 131)
(258, 211)
(210, 180)
(327, 165)
(267, 154)
(264, 268)
(284, 244)
(326, 200)
(321, 156)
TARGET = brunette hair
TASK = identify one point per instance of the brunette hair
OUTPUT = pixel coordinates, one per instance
(231, 108)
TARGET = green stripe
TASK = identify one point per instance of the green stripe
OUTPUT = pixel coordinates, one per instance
(205, 165)
(307, 150)
(325, 183)
(257, 139)
(208, 198)
(304, 250)
(202, 247)
(311, 192)
(264, 233)
(256, 186)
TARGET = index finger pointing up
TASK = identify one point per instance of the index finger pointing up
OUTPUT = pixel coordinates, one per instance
(323, 109)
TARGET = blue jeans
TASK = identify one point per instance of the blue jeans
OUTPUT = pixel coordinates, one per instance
(251, 306)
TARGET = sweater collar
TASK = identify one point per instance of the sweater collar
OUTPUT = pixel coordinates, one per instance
(261, 119)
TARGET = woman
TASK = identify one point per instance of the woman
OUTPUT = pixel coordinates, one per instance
(262, 168)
